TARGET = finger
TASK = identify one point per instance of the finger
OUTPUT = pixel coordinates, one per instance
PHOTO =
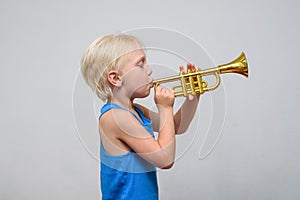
(188, 66)
(193, 67)
(170, 93)
(181, 68)
(167, 91)
(159, 89)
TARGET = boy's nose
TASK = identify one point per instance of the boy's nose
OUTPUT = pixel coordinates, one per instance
(149, 70)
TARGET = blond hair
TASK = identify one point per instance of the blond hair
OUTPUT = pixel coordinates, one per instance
(103, 55)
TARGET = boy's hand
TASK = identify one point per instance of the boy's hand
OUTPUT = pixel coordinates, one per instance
(164, 97)
(189, 68)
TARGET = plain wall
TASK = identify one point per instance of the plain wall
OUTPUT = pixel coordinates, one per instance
(49, 140)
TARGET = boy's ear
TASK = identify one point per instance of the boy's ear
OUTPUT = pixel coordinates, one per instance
(114, 78)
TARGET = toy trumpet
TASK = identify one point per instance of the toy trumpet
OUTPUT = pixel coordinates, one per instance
(192, 82)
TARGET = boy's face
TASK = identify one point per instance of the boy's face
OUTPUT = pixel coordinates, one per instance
(136, 75)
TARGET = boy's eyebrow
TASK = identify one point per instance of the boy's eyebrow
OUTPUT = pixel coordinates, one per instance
(142, 58)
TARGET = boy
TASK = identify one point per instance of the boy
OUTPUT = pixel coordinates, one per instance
(115, 67)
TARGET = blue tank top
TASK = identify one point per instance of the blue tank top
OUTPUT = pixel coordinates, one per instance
(127, 176)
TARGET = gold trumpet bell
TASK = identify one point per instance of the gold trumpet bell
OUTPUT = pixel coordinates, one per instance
(239, 66)
(193, 82)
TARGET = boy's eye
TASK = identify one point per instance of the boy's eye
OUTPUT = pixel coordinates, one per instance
(141, 63)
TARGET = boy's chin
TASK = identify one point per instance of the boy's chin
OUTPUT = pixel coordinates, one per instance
(142, 95)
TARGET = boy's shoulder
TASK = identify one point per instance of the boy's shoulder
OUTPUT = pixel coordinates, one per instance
(143, 109)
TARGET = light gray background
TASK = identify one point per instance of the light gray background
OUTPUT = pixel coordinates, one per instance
(41, 43)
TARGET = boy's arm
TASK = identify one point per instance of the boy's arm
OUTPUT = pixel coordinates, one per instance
(127, 129)
(182, 117)
(185, 114)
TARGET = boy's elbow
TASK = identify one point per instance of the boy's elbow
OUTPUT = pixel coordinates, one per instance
(165, 161)
(169, 166)
(181, 130)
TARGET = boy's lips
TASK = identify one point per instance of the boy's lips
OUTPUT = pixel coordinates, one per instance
(151, 84)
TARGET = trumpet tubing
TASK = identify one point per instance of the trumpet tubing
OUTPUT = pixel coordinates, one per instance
(192, 82)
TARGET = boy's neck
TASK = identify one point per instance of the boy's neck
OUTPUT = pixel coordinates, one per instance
(125, 103)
